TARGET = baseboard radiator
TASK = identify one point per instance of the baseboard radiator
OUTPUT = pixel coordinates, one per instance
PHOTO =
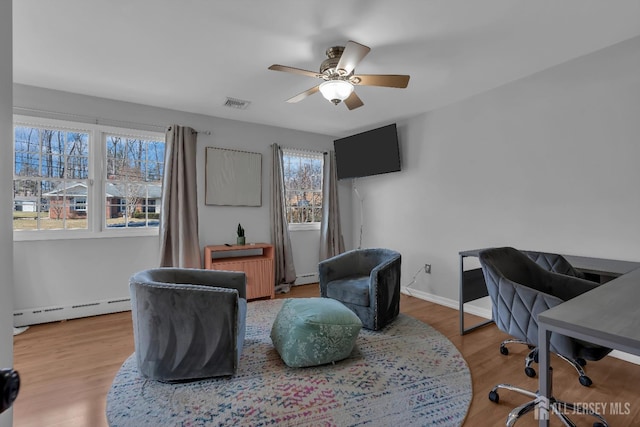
(305, 279)
(34, 316)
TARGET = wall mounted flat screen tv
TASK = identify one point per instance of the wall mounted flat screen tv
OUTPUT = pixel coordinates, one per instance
(368, 153)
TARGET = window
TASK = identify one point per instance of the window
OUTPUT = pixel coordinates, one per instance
(303, 188)
(133, 181)
(51, 168)
(59, 190)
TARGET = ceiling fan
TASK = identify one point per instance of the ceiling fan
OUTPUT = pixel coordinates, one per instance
(337, 71)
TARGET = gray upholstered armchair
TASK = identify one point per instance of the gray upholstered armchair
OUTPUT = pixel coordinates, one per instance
(188, 323)
(365, 280)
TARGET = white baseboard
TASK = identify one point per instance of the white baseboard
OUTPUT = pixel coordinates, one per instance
(35, 316)
(447, 302)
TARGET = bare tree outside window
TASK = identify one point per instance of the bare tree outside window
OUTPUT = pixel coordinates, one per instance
(54, 187)
(303, 186)
(133, 181)
(50, 165)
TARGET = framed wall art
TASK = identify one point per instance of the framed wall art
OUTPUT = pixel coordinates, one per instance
(233, 177)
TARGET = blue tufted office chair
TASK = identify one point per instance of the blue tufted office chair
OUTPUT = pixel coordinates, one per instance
(554, 263)
(519, 290)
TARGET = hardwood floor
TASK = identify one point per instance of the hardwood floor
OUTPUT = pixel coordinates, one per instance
(67, 367)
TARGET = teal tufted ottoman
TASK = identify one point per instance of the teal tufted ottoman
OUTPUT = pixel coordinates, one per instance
(314, 331)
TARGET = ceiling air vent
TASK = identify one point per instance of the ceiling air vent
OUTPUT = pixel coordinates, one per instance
(236, 103)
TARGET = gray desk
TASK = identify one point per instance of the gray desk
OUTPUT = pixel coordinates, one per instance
(609, 315)
(472, 285)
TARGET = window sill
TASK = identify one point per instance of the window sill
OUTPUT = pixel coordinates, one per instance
(29, 236)
(304, 227)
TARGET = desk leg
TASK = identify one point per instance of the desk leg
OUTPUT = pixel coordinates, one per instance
(544, 376)
(461, 295)
(462, 298)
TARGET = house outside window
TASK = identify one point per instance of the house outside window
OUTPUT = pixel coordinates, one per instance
(48, 163)
(133, 181)
(61, 192)
(303, 177)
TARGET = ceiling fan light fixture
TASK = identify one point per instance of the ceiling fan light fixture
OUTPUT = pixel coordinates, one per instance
(336, 91)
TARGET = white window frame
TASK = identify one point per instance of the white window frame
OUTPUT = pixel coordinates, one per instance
(96, 199)
(306, 226)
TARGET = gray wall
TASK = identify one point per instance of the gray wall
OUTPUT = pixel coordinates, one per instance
(549, 162)
(65, 272)
(6, 154)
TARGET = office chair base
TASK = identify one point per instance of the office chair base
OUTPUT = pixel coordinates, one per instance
(557, 407)
(532, 357)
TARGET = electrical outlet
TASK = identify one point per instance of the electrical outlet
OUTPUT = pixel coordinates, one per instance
(427, 268)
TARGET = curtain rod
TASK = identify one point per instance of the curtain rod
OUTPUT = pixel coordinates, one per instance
(304, 150)
(204, 132)
(96, 120)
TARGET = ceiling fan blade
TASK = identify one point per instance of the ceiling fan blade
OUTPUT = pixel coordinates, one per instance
(276, 67)
(351, 56)
(304, 94)
(386, 80)
(353, 101)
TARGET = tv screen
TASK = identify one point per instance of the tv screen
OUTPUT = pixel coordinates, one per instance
(368, 153)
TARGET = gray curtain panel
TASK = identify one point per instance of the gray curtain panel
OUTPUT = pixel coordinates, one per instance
(331, 240)
(179, 245)
(285, 271)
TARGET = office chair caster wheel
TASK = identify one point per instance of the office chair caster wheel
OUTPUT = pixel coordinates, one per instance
(493, 396)
(504, 350)
(581, 361)
(585, 380)
(530, 371)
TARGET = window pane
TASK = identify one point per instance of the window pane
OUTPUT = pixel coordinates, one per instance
(77, 155)
(48, 156)
(52, 166)
(26, 164)
(134, 173)
(27, 139)
(64, 205)
(115, 156)
(303, 186)
(77, 167)
(25, 204)
(132, 204)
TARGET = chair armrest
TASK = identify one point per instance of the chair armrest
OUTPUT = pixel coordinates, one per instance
(544, 301)
(385, 272)
(380, 269)
(228, 279)
(566, 287)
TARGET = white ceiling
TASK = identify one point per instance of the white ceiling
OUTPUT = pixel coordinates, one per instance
(190, 55)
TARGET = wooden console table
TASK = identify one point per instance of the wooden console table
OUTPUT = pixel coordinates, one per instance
(255, 260)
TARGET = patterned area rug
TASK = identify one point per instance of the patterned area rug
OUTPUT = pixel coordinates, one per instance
(405, 375)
